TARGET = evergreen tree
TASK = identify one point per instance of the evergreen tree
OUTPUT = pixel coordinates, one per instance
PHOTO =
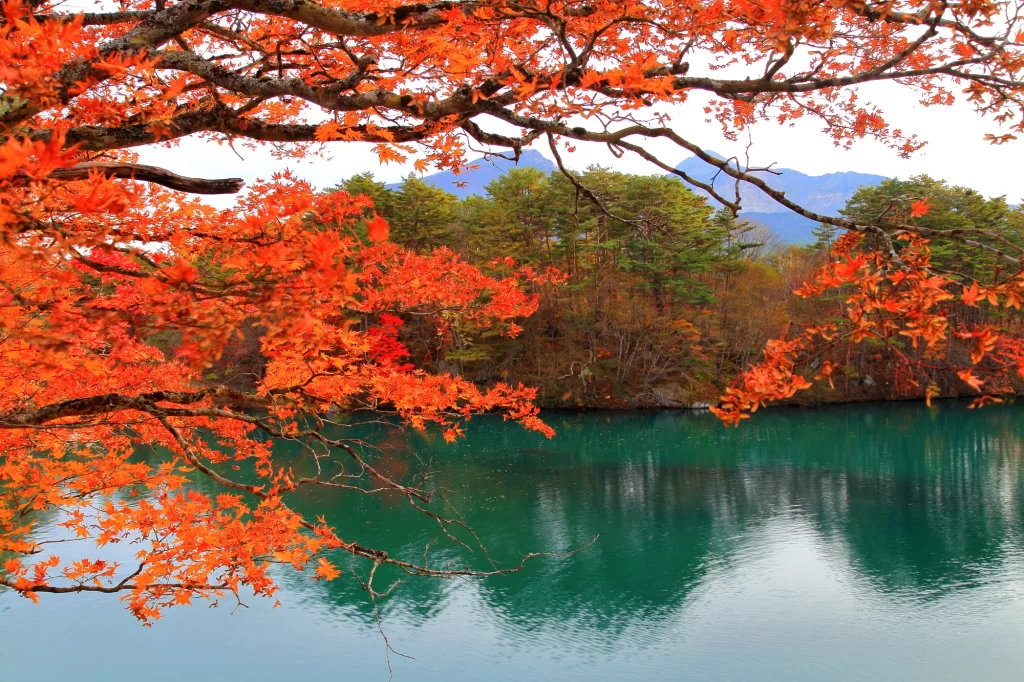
(423, 216)
(950, 208)
(364, 184)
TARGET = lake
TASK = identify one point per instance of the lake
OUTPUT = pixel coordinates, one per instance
(868, 542)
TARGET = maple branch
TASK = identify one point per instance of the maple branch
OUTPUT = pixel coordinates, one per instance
(220, 120)
(147, 404)
(122, 586)
(153, 174)
(689, 179)
(96, 18)
(155, 30)
(194, 461)
(111, 402)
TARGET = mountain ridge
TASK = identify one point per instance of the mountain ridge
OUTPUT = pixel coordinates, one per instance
(475, 180)
(824, 194)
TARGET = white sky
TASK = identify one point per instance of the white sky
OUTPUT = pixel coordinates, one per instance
(956, 151)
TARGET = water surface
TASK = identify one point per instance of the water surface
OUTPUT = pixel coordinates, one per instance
(880, 542)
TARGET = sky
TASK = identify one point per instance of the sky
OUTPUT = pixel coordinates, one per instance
(956, 151)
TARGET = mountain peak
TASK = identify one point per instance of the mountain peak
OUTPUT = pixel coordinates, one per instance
(475, 180)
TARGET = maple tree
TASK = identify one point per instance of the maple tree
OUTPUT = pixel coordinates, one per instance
(910, 312)
(104, 259)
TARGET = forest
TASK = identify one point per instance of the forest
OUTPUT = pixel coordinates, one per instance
(663, 300)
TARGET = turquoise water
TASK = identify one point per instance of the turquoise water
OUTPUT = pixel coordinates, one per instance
(880, 542)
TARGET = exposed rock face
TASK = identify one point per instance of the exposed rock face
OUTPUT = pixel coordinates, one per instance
(670, 395)
(674, 395)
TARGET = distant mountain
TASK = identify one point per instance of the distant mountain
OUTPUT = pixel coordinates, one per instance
(824, 194)
(475, 181)
(790, 227)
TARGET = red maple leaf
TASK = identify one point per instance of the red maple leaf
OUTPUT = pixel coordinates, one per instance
(971, 380)
(377, 229)
(972, 295)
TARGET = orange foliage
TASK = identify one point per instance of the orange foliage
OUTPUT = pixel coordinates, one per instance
(890, 303)
(98, 268)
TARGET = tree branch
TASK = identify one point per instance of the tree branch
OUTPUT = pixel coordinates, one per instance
(143, 173)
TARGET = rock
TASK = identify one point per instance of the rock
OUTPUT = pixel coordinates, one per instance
(445, 367)
(867, 382)
(674, 395)
(669, 395)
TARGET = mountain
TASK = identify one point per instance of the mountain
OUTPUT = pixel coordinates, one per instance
(824, 194)
(475, 181)
(790, 227)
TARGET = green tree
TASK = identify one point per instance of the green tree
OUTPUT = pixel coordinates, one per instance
(825, 236)
(522, 212)
(951, 208)
(669, 238)
(423, 217)
(364, 184)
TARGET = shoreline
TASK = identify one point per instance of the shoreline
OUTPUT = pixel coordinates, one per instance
(703, 407)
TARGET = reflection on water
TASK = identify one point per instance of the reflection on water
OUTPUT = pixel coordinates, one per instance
(871, 542)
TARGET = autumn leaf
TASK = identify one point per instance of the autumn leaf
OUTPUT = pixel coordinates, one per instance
(968, 377)
(328, 131)
(919, 208)
(844, 271)
(325, 570)
(377, 229)
(181, 272)
(971, 295)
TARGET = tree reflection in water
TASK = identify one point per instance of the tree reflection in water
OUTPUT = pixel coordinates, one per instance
(885, 539)
(918, 502)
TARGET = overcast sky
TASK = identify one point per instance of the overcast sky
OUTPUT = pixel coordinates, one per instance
(955, 152)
